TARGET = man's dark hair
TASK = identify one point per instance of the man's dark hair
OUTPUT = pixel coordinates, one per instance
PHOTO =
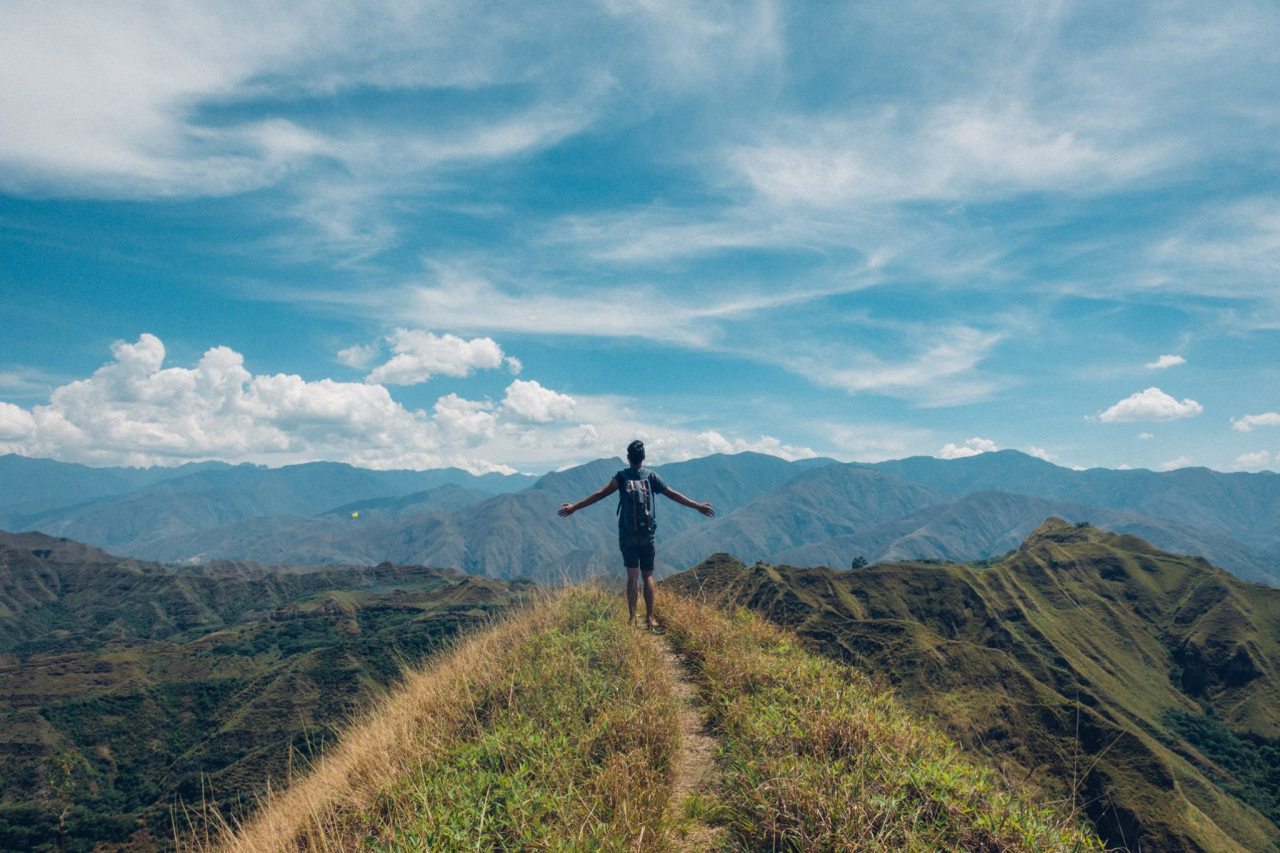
(635, 451)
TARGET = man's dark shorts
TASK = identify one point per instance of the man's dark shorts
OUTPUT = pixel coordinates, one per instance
(637, 552)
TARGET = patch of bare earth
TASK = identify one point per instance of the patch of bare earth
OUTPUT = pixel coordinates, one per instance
(693, 785)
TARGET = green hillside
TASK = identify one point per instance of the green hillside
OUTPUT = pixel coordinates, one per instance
(564, 729)
(1144, 684)
(126, 687)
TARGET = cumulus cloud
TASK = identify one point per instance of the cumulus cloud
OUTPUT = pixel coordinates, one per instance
(1039, 453)
(134, 410)
(358, 356)
(420, 354)
(714, 442)
(1254, 461)
(531, 401)
(1146, 436)
(1175, 464)
(1151, 405)
(972, 447)
(470, 421)
(1165, 361)
(1248, 422)
(16, 423)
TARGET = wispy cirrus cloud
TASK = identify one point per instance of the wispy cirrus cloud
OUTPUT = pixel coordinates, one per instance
(940, 368)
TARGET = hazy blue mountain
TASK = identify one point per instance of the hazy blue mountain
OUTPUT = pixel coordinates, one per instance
(985, 524)
(814, 506)
(1244, 506)
(447, 497)
(509, 535)
(32, 485)
(810, 512)
(137, 522)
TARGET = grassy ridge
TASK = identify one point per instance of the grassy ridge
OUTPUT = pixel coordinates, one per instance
(554, 730)
(815, 758)
(1067, 661)
(560, 729)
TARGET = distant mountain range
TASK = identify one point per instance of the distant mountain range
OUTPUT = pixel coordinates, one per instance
(1139, 684)
(815, 511)
(126, 686)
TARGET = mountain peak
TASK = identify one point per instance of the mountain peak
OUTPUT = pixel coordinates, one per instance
(1061, 531)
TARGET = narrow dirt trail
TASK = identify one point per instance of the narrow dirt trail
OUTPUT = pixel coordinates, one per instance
(695, 764)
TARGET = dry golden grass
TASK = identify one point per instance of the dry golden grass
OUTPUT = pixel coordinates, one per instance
(555, 729)
(426, 711)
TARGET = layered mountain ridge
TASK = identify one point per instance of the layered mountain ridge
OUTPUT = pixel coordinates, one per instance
(126, 686)
(815, 511)
(1142, 683)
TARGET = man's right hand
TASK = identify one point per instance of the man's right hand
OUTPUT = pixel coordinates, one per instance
(706, 510)
(566, 510)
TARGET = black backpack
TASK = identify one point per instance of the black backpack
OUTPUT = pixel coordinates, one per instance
(635, 502)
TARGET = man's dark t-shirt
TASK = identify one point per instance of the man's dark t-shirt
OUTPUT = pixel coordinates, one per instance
(629, 479)
(637, 545)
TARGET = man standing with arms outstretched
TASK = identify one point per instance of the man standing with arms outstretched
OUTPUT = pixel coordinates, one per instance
(636, 488)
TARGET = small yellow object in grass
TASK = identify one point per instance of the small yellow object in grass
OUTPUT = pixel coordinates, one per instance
(355, 515)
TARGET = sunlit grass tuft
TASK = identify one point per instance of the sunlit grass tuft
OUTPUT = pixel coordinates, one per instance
(816, 758)
(554, 730)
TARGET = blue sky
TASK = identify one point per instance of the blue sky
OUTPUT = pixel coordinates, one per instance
(514, 236)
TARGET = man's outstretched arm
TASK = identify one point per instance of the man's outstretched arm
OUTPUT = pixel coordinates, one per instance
(705, 509)
(607, 489)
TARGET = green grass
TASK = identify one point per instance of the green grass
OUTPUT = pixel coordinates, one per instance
(568, 749)
(814, 757)
(1063, 663)
(556, 730)
(1252, 763)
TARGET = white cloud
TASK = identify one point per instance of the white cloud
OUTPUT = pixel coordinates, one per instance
(940, 373)
(1230, 250)
(136, 411)
(16, 423)
(471, 422)
(1248, 422)
(1151, 405)
(960, 149)
(461, 298)
(107, 100)
(358, 356)
(1165, 361)
(1255, 461)
(714, 442)
(531, 401)
(874, 442)
(133, 410)
(421, 355)
(1146, 436)
(972, 447)
(1039, 453)
(514, 365)
(1175, 464)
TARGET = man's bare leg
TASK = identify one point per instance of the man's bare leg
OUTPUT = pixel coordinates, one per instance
(649, 592)
(633, 592)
